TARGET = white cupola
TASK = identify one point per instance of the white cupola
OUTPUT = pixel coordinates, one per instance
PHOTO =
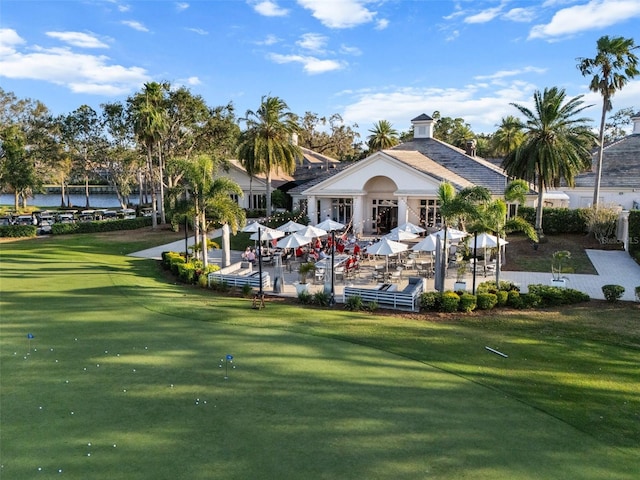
(422, 126)
(636, 124)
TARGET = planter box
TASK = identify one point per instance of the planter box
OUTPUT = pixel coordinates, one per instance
(301, 287)
(457, 286)
(560, 283)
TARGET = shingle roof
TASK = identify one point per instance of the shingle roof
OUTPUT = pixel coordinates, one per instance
(474, 170)
(620, 165)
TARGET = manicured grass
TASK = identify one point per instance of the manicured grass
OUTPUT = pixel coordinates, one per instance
(315, 393)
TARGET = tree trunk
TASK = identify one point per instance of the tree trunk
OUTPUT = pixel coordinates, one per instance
(596, 188)
(152, 185)
(268, 199)
(86, 190)
(16, 200)
(62, 205)
(163, 219)
(538, 225)
(205, 253)
(498, 262)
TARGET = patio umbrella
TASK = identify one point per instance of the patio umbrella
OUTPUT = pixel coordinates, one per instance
(294, 240)
(453, 235)
(290, 227)
(409, 227)
(330, 225)
(427, 244)
(386, 247)
(311, 231)
(267, 234)
(253, 227)
(400, 235)
(485, 240)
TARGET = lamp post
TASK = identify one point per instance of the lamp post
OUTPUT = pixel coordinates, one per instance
(332, 300)
(475, 260)
(186, 238)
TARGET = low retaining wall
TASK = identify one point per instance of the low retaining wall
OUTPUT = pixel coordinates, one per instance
(406, 299)
(238, 275)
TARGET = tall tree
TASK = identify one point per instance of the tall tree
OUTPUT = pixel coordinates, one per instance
(149, 123)
(339, 140)
(508, 136)
(82, 136)
(267, 140)
(454, 131)
(612, 68)
(383, 136)
(557, 145)
(615, 128)
(17, 172)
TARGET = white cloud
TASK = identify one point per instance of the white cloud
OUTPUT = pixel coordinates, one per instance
(347, 50)
(9, 39)
(78, 39)
(510, 73)
(135, 25)
(480, 106)
(269, 40)
(339, 13)
(199, 31)
(270, 9)
(310, 65)
(484, 16)
(452, 35)
(182, 6)
(80, 73)
(596, 14)
(191, 81)
(313, 42)
(382, 24)
(524, 15)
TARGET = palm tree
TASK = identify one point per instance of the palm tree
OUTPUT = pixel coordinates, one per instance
(383, 136)
(492, 217)
(508, 136)
(557, 146)
(267, 144)
(458, 207)
(149, 124)
(612, 68)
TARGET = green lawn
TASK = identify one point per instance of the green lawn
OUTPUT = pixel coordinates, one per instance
(122, 380)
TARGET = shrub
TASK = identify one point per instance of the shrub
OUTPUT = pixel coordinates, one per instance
(304, 297)
(430, 301)
(322, 298)
(247, 290)
(449, 302)
(612, 293)
(530, 300)
(186, 272)
(468, 302)
(354, 303)
(18, 231)
(100, 226)
(513, 299)
(486, 301)
(502, 297)
(638, 294)
(203, 281)
(549, 296)
(372, 306)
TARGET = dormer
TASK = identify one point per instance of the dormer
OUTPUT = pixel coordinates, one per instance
(422, 126)
(636, 124)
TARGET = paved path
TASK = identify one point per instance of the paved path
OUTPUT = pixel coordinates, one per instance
(613, 267)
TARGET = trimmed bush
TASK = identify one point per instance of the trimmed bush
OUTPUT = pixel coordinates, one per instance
(450, 302)
(100, 226)
(548, 296)
(468, 302)
(486, 301)
(502, 297)
(612, 293)
(430, 301)
(513, 299)
(18, 231)
(354, 303)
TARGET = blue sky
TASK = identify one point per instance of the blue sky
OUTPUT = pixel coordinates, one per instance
(365, 60)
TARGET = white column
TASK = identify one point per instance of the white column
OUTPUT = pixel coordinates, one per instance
(311, 209)
(403, 212)
(358, 215)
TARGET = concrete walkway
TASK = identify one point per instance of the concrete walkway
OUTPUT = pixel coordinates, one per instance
(613, 267)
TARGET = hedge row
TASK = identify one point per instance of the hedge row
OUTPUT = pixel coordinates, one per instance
(100, 226)
(558, 220)
(488, 297)
(18, 231)
(191, 272)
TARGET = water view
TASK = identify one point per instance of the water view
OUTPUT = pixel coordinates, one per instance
(49, 200)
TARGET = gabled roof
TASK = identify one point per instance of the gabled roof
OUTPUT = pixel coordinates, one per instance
(620, 165)
(428, 166)
(474, 170)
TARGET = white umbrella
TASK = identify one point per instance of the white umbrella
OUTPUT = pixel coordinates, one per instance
(291, 226)
(427, 244)
(329, 225)
(386, 247)
(267, 234)
(253, 227)
(311, 231)
(453, 234)
(400, 235)
(294, 240)
(409, 227)
(485, 240)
